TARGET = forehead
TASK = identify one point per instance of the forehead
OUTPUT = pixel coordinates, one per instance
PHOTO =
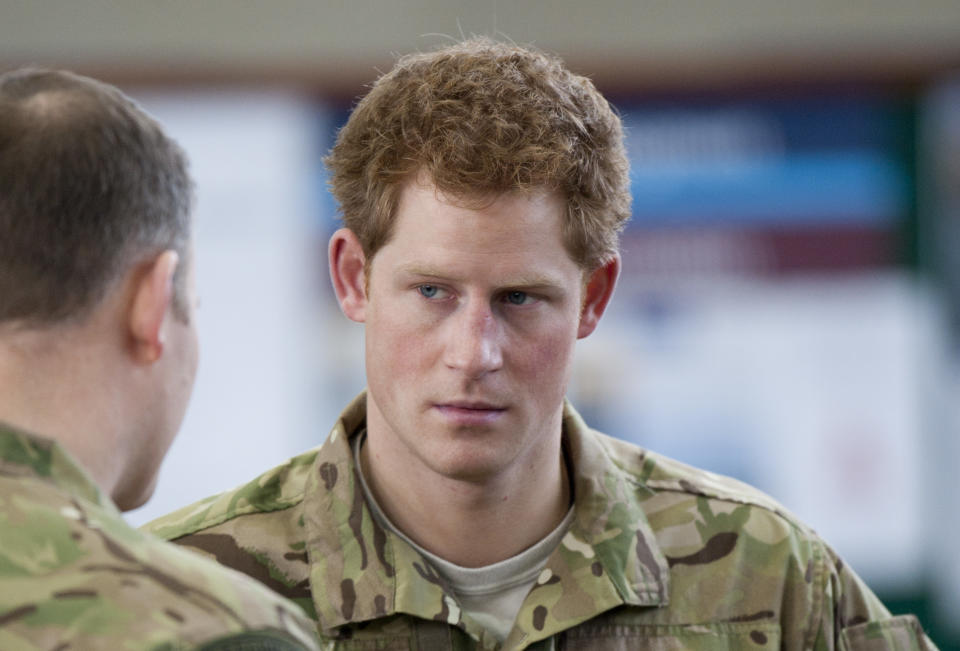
(514, 231)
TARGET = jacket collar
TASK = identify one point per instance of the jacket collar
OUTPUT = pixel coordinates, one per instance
(360, 571)
(28, 455)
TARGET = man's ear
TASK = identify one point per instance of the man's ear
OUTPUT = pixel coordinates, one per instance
(597, 293)
(348, 273)
(152, 298)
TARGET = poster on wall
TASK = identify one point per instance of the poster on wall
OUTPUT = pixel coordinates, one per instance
(766, 325)
(769, 185)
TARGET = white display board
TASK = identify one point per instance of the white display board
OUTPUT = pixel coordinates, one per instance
(260, 265)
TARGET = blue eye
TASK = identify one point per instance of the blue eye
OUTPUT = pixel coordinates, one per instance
(427, 291)
(516, 298)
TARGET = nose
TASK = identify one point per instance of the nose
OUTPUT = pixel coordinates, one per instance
(473, 344)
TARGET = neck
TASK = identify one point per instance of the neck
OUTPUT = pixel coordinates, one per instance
(54, 385)
(481, 521)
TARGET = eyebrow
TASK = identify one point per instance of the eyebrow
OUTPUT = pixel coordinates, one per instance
(536, 281)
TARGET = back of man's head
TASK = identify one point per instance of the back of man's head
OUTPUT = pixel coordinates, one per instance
(478, 119)
(89, 185)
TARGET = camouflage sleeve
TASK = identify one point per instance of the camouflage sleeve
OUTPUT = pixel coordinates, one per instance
(853, 618)
(74, 574)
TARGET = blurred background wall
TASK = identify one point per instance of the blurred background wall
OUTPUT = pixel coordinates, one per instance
(790, 303)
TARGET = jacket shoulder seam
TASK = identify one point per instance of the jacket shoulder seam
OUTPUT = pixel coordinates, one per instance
(760, 501)
(232, 514)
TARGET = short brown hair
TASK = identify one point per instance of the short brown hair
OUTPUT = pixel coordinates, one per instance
(483, 118)
(89, 185)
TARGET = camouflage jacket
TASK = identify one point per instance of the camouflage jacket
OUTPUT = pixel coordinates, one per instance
(659, 555)
(74, 575)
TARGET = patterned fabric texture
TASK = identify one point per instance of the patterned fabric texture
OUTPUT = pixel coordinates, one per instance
(659, 556)
(74, 575)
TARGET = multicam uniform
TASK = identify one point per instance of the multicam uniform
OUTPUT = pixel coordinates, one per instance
(74, 575)
(658, 555)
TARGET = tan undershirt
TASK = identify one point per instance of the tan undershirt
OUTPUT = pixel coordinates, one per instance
(491, 595)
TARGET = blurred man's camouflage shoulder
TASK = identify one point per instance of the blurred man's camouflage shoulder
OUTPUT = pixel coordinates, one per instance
(658, 554)
(74, 575)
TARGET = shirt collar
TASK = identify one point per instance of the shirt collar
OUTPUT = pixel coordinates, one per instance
(28, 455)
(360, 571)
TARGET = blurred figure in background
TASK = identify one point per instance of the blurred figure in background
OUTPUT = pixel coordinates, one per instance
(461, 502)
(98, 352)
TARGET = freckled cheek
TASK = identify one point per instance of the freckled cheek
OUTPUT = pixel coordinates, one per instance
(403, 349)
(546, 357)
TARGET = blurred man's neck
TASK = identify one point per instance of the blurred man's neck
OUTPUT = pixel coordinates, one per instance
(56, 383)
